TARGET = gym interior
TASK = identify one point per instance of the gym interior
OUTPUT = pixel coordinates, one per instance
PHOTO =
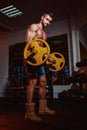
(66, 89)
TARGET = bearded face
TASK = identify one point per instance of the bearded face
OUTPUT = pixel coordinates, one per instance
(46, 20)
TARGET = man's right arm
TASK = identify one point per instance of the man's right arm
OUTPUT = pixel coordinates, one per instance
(31, 33)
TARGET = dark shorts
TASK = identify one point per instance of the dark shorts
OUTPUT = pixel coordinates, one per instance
(36, 72)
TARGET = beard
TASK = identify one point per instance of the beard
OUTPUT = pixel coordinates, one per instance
(45, 24)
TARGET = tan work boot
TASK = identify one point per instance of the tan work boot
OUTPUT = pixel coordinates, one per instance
(30, 113)
(43, 108)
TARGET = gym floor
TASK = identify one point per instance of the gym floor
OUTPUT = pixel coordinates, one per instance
(70, 115)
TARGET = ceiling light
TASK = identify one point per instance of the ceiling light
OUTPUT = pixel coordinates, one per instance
(11, 11)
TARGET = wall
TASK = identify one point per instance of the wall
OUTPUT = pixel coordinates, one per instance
(82, 16)
(58, 89)
(6, 39)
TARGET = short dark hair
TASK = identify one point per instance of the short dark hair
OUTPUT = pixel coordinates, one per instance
(49, 13)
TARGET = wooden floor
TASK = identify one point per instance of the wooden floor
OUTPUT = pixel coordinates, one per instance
(70, 115)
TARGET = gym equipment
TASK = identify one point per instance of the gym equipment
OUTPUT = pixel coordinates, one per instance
(36, 52)
(55, 61)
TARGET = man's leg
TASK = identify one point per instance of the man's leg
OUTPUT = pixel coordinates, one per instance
(43, 108)
(30, 106)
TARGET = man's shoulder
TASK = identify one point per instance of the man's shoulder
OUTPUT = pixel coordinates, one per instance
(33, 26)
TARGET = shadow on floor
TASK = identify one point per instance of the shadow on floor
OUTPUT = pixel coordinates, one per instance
(70, 115)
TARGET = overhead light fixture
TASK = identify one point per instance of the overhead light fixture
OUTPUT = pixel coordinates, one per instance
(11, 11)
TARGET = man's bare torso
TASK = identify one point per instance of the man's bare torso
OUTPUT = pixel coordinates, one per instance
(35, 31)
